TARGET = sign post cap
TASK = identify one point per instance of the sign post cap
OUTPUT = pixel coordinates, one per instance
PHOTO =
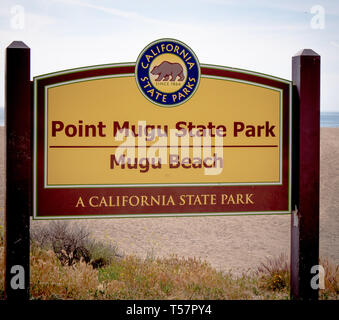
(18, 45)
(306, 52)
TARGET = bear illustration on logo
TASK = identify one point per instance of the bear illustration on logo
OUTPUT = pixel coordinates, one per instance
(166, 69)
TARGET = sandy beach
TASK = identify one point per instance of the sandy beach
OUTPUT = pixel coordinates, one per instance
(228, 243)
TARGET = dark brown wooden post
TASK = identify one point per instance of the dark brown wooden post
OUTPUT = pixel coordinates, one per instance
(306, 161)
(18, 170)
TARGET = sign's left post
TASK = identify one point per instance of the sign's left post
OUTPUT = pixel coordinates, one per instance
(18, 115)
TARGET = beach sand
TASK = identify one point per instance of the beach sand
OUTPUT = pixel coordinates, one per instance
(237, 243)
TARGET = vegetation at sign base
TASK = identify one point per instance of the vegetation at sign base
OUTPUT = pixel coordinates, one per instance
(2, 260)
(66, 264)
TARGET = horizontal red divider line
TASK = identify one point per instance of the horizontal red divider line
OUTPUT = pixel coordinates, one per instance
(224, 146)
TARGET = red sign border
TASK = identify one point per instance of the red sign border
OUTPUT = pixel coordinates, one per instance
(53, 203)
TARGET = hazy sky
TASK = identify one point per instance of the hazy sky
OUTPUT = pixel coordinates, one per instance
(256, 35)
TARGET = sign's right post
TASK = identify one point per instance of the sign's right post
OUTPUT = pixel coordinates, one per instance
(306, 172)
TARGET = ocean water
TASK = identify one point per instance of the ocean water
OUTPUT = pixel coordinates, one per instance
(327, 119)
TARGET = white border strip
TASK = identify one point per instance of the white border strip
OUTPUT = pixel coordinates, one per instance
(164, 215)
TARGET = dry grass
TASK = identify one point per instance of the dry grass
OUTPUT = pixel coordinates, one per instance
(166, 278)
(275, 273)
(133, 278)
(51, 280)
(2, 262)
(331, 280)
(2, 272)
(170, 278)
(71, 243)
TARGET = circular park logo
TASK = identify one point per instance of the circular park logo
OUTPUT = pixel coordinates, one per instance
(167, 72)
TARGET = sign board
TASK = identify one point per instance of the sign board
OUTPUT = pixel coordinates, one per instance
(205, 140)
(165, 136)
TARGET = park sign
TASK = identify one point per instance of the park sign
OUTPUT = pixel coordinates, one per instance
(165, 136)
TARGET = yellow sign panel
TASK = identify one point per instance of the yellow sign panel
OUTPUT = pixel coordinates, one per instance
(102, 131)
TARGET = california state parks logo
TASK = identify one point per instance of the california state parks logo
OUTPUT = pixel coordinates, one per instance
(167, 72)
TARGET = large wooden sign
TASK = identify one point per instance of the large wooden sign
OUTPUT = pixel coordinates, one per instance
(164, 136)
